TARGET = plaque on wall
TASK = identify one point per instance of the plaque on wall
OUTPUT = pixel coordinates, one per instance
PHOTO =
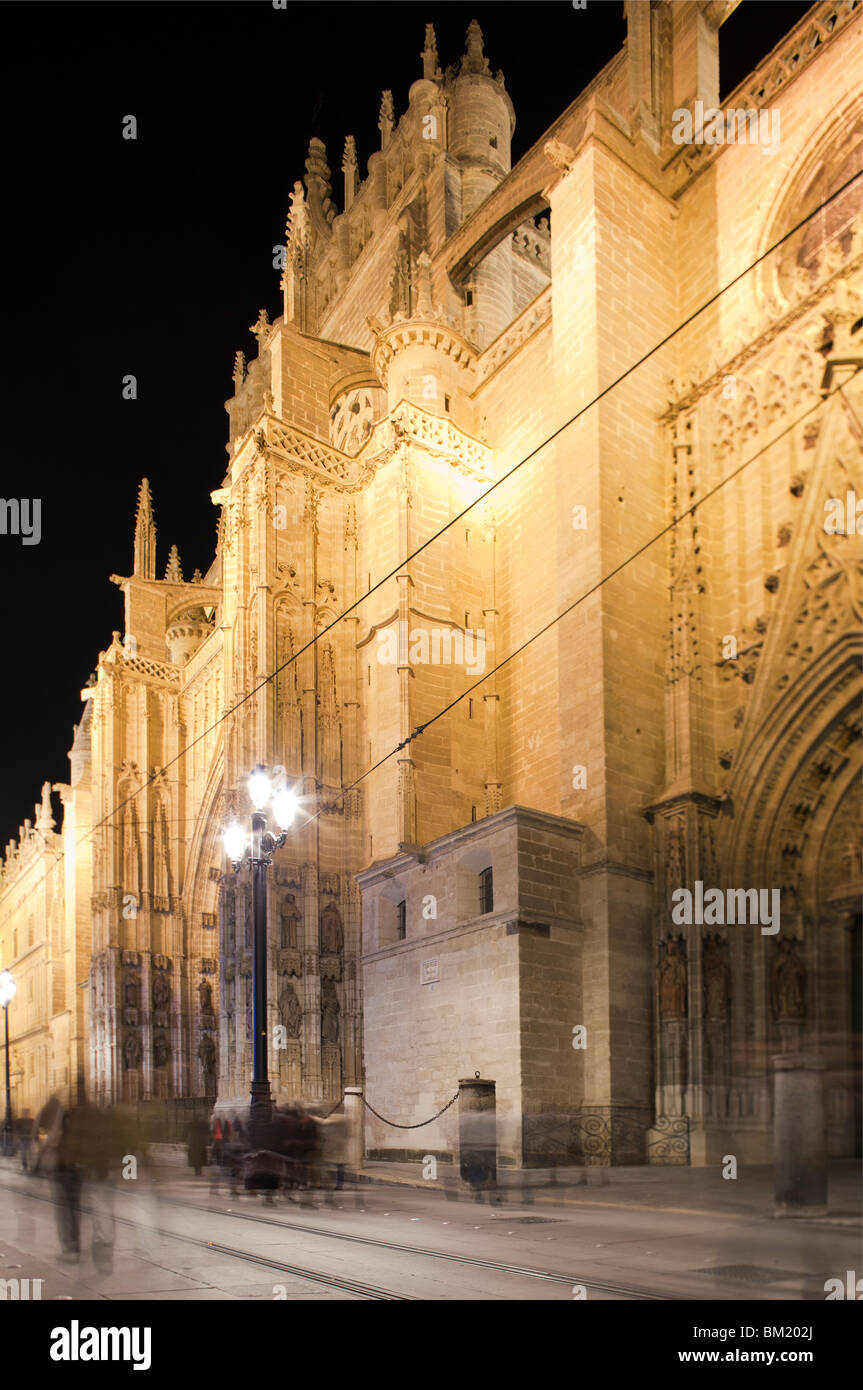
(430, 971)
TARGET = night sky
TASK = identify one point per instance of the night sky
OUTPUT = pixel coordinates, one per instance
(153, 256)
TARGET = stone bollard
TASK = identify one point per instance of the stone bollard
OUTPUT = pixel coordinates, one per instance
(477, 1132)
(355, 1123)
(799, 1136)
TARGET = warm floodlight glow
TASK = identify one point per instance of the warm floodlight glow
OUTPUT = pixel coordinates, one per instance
(7, 988)
(285, 807)
(260, 788)
(234, 840)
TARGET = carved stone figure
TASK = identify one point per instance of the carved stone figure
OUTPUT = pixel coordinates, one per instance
(290, 923)
(207, 1055)
(290, 1012)
(329, 1013)
(205, 994)
(132, 1051)
(161, 1050)
(716, 979)
(788, 984)
(332, 932)
(130, 992)
(672, 982)
(161, 991)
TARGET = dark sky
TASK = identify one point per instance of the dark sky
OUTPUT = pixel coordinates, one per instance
(152, 257)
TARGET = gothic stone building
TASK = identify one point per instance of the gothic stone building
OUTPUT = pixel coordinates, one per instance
(635, 334)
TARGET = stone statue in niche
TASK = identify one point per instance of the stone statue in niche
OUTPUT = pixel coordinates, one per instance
(132, 1051)
(672, 982)
(329, 1013)
(788, 984)
(290, 1012)
(716, 979)
(130, 992)
(161, 1050)
(207, 1056)
(332, 932)
(161, 991)
(205, 994)
(290, 923)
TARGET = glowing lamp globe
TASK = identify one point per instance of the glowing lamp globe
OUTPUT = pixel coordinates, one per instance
(7, 988)
(234, 840)
(285, 807)
(260, 788)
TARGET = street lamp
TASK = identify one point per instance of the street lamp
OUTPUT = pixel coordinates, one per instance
(7, 994)
(258, 846)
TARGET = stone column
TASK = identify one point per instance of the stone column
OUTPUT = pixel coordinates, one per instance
(477, 1132)
(799, 1135)
(355, 1123)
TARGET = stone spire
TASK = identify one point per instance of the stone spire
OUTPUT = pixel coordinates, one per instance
(261, 328)
(431, 68)
(239, 372)
(44, 819)
(474, 59)
(145, 534)
(387, 118)
(349, 169)
(297, 230)
(321, 206)
(173, 569)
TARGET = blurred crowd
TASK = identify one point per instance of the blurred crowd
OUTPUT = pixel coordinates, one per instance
(296, 1152)
(96, 1156)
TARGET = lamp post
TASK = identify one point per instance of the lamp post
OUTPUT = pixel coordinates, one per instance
(257, 845)
(7, 994)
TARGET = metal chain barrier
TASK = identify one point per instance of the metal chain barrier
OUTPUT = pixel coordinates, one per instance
(422, 1122)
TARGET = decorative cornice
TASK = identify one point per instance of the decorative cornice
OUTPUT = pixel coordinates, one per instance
(412, 332)
(302, 453)
(439, 436)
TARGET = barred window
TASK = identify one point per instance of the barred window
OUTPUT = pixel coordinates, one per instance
(486, 891)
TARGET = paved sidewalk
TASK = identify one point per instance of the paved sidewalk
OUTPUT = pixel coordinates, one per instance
(690, 1191)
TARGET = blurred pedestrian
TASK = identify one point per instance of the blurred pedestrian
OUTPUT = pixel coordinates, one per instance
(23, 1130)
(333, 1136)
(197, 1145)
(46, 1134)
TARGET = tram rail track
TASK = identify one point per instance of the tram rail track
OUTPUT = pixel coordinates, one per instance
(354, 1286)
(357, 1287)
(524, 1271)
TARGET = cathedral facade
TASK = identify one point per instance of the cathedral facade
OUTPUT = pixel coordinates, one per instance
(527, 575)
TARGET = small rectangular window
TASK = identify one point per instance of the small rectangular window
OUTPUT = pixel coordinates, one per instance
(401, 920)
(446, 403)
(486, 891)
(470, 709)
(468, 297)
(492, 140)
(473, 813)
